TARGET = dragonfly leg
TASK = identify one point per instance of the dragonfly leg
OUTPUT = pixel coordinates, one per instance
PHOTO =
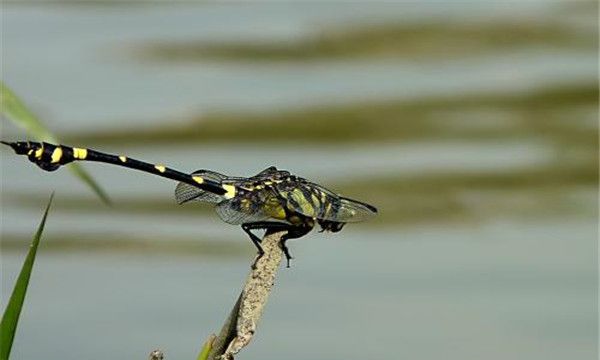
(293, 232)
(285, 250)
(255, 240)
(262, 225)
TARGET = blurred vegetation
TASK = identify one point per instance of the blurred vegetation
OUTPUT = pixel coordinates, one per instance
(417, 41)
(97, 243)
(589, 7)
(537, 113)
(477, 197)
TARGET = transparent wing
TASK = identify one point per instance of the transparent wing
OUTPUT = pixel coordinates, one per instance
(313, 200)
(268, 171)
(252, 206)
(271, 173)
(240, 210)
(210, 175)
(348, 210)
(186, 192)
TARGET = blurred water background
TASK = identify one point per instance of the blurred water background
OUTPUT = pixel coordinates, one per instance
(473, 126)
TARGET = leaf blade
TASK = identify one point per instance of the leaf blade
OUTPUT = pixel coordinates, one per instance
(206, 348)
(10, 318)
(87, 179)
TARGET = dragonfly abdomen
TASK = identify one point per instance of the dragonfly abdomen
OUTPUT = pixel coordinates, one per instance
(50, 157)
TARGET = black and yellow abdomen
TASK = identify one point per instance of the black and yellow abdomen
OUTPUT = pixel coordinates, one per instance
(50, 157)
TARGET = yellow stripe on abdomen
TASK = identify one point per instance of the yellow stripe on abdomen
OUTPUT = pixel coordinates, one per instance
(230, 191)
(56, 155)
(39, 152)
(79, 153)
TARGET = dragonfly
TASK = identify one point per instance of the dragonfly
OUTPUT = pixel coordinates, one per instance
(272, 200)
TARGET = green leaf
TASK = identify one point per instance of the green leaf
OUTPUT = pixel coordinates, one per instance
(206, 348)
(14, 109)
(87, 178)
(10, 319)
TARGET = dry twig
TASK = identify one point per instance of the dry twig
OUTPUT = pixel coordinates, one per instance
(240, 326)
